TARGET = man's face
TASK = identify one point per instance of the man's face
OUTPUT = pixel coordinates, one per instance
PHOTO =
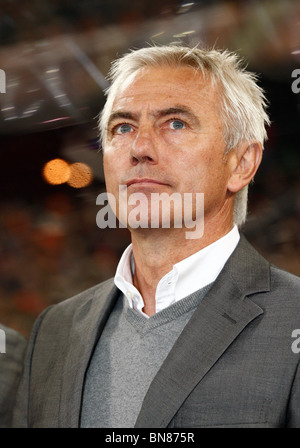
(165, 135)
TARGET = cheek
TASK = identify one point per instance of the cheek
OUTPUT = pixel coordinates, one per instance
(202, 170)
(110, 170)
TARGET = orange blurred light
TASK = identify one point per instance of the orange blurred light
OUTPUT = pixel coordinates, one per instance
(56, 171)
(80, 175)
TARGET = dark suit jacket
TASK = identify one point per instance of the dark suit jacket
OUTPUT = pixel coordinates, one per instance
(11, 364)
(232, 365)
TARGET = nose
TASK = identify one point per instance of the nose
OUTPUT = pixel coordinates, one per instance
(143, 149)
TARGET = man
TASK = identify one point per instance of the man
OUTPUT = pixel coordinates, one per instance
(194, 330)
(12, 349)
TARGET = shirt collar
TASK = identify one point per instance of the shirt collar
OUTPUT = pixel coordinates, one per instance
(187, 276)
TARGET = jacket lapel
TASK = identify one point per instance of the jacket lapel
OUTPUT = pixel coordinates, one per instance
(220, 317)
(88, 324)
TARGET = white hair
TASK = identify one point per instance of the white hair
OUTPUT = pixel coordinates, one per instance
(243, 103)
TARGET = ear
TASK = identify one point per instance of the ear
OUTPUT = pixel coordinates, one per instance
(244, 162)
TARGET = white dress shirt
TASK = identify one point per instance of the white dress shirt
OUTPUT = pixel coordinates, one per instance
(186, 277)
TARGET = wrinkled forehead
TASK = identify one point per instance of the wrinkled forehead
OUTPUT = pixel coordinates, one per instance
(159, 84)
(163, 84)
(161, 74)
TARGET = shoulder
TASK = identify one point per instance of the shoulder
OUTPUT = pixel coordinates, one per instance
(12, 336)
(284, 281)
(13, 344)
(281, 299)
(259, 279)
(65, 310)
(100, 291)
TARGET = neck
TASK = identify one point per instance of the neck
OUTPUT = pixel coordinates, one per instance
(157, 250)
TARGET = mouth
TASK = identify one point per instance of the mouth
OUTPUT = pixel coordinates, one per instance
(144, 181)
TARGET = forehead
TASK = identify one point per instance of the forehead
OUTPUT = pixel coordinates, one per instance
(165, 86)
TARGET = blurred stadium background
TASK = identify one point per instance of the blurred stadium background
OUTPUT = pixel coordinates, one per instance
(56, 54)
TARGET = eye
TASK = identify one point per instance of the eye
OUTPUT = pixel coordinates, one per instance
(177, 124)
(122, 128)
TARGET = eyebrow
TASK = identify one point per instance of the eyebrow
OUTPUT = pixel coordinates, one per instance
(120, 114)
(176, 110)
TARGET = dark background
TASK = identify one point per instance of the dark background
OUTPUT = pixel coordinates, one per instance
(56, 54)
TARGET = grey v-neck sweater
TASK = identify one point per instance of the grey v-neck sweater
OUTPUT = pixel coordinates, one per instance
(127, 357)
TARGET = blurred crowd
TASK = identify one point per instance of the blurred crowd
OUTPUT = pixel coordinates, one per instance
(273, 227)
(35, 19)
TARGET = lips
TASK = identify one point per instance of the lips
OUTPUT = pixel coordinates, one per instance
(144, 180)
